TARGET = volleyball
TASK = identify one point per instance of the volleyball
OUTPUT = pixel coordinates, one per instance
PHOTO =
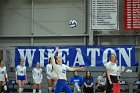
(73, 23)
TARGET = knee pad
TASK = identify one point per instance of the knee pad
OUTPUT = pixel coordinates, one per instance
(5, 87)
(50, 88)
(79, 90)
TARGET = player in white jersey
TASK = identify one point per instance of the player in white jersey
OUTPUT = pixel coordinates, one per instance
(112, 75)
(37, 77)
(61, 73)
(3, 77)
(51, 76)
(21, 77)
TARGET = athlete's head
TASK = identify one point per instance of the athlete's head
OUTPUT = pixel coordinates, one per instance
(58, 60)
(113, 58)
(88, 74)
(1, 63)
(75, 73)
(104, 74)
(37, 64)
(21, 62)
(50, 60)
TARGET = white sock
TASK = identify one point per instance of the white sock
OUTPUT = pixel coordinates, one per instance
(34, 90)
(40, 91)
(20, 89)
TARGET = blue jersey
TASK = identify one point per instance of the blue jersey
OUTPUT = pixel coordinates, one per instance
(76, 79)
(88, 82)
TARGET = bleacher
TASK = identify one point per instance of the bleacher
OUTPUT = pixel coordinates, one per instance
(127, 87)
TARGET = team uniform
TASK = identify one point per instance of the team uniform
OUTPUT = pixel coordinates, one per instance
(77, 81)
(51, 74)
(21, 72)
(37, 75)
(113, 71)
(3, 74)
(61, 76)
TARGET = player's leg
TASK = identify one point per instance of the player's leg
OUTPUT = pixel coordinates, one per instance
(35, 87)
(49, 81)
(67, 88)
(23, 81)
(4, 86)
(0, 86)
(54, 83)
(59, 86)
(20, 86)
(40, 87)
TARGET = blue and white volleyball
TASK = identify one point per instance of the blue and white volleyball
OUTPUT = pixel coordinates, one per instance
(73, 23)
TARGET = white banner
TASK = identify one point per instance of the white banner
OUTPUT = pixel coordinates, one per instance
(104, 14)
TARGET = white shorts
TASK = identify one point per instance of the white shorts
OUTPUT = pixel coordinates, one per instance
(38, 81)
(48, 77)
(51, 76)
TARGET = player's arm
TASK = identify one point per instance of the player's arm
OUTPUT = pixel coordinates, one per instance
(52, 57)
(108, 73)
(41, 75)
(16, 72)
(75, 69)
(6, 75)
(108, 76)
(33, 74)
(26, 75)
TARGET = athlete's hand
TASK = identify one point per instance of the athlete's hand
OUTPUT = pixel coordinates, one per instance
(110, 82)
(82, 68)
(57, 49)
(119, 82)
(17, 81)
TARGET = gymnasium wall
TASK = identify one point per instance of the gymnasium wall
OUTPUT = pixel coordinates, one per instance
(50, 24)
(45, 23)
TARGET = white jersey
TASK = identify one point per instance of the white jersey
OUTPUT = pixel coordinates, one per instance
(51, 74)
(20, 71)
(60, 69)
(112, 68)
(3, 73)
(37, 75)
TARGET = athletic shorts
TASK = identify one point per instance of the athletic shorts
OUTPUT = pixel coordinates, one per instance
(21, 77)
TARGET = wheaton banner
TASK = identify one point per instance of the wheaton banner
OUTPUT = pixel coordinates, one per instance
(75, 55)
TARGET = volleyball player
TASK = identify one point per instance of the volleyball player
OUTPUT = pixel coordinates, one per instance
(112, 75)
(51, 76)
(61, 73)
(21, 77)
(3, 77)
(37, 77)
